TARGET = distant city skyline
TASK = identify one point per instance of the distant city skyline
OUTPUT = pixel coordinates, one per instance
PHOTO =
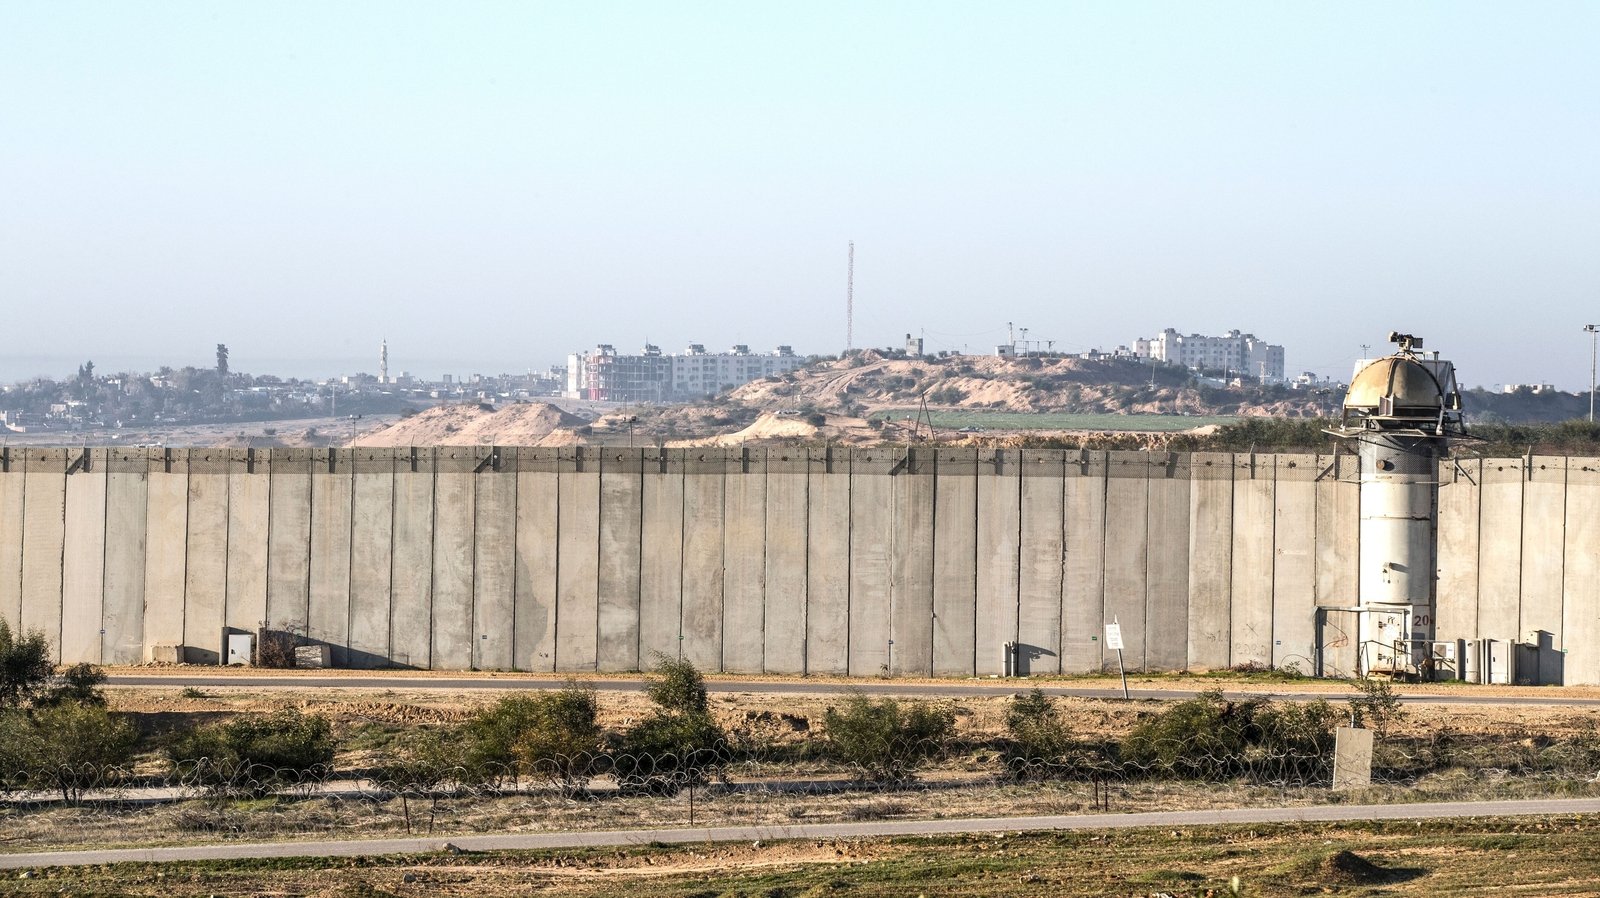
(492, 185)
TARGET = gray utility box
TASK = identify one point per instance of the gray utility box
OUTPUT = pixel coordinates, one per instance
(241, 648)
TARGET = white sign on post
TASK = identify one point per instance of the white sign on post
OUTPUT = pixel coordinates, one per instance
(1114, 636)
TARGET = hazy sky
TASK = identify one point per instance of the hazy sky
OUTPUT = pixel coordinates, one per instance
(492, 185)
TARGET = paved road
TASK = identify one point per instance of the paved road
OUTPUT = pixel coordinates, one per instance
(613, 838)
(792, 687)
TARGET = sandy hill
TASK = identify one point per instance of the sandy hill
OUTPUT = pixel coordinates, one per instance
(774, 429)
(867, 382)
(522, 424)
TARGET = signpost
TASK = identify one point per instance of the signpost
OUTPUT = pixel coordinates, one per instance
(1114, 641)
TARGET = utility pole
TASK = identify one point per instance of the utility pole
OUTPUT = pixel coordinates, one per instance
(1593, 331)
(850, 301)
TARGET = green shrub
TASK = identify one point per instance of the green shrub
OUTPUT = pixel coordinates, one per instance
(886, 740)
(1377, 707)
(67, 748)
(1211, 738)
(563, 742)
(677, 687)
(24, 665)
(255, 754)
(553, 734)
(79, 685)
(1037, 743)
(679, 744)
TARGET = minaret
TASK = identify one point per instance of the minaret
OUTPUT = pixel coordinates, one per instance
(383, 363)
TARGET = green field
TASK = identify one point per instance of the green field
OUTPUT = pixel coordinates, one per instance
(956, 419)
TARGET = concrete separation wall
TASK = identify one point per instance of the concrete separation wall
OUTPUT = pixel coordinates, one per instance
(946, 562)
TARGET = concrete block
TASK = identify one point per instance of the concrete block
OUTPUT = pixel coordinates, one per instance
(703, 543)
(1253, 509)
(313, 657)
(955, 562)
(1042, 561)
(1294, 607)
(249, 491)
(166, 529)
(911, 572)
(205, 586)
(371, 555)
(494, 582)
(83, 559)
(1127, 542)
(577, 569)
(1211, 523)
(1352, 758)
(744, 544)
(874, 540)
(1083, 578)
(1167, 563)
(538, 526)
(828, 550)
(44, 523)
(166, 653)
(122, 614)
(332, 517)
(784, 616)
(1544, 497)
(1581, 608)
(1338, 530)
(998, 546)
(411, 576)
(454, 521)
(621, 506)
(1500, 548)
(12, 479)
(661, 556)
(1456, 604)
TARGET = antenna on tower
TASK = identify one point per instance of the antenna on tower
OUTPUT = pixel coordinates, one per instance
(850, 301)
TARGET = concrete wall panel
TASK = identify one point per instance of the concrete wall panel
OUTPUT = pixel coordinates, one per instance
(1581, 573)
(332, 505)
(167, 530)
(84, 559)
(122, 615)
(786, 515)
(1042, 554)
(1544, 496)
(44, 518)
(661, 558)
(1210, 560)
(828, 562)
(1253, 514)
(289, 540)
(1500, 549)
(1167, 573)
(621, 504)
(1127, 545)
(1083, 583)
(371, 555)
(577, 568)
(11, 529)
(454, 533)
(1294, 571)
(703, 508)
(205, 585)
(911, 569)
(1457, 601)
(538, 526)
(411, 575)
(875, 536)
(744, 537)
(998, 544)
(494, 576)
(249, 490)
(1338, 527)
(955, 562)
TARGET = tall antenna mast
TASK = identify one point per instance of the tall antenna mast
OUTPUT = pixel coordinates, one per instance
(850, 301)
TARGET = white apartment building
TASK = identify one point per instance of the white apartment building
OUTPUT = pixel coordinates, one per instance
(1233, 352)
(603, 374)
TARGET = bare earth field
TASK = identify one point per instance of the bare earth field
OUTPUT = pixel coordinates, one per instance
(1454, 857)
